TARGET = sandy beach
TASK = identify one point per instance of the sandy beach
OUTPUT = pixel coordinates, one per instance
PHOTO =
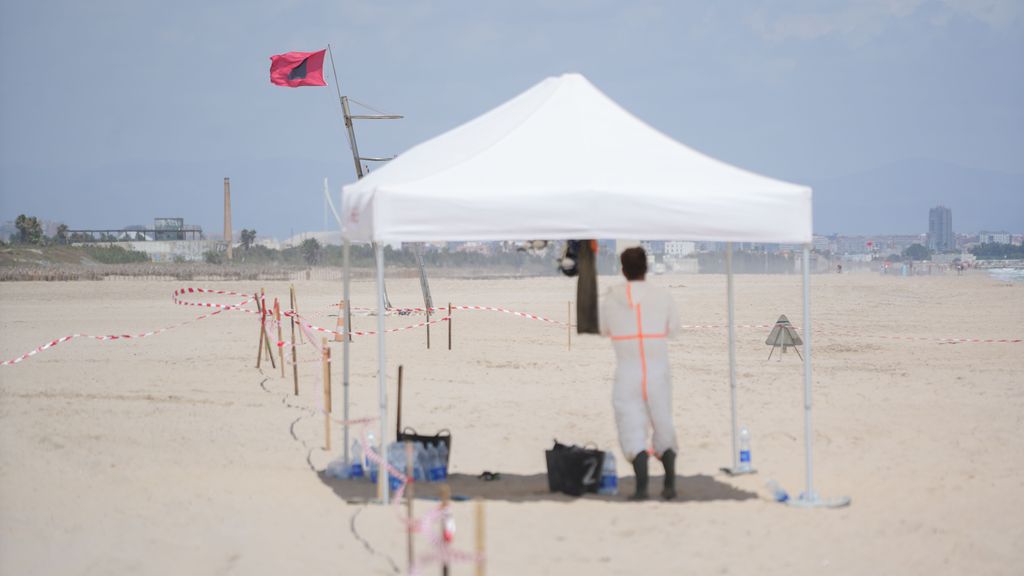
(174, 454)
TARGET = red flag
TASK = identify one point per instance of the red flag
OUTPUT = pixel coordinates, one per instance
(298, 69)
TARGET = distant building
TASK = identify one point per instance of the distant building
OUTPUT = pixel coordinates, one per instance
(483, 248)
(995, 238)
(653, 247)
(170, 239)
(940, 229)
(679, 248)
(851, 245)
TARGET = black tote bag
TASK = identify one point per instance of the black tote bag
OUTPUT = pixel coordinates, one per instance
(574, 470)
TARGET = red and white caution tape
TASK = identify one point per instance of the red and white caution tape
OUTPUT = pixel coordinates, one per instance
(887, 337)
(337, 334)
(936, 340)
(712, 326)
(512, 312)
(240, 307)
(359, 311)
(438, 524)
(308, 327)
(408, 311)
(109, 337)
(975, 340)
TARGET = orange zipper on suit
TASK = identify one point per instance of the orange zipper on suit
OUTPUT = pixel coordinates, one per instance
(639, 337)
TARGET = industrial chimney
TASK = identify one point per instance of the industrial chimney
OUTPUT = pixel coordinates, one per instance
(227, 215)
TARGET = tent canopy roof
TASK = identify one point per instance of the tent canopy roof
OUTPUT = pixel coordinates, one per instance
(562, 160)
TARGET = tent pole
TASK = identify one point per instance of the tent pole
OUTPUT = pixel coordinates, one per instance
(810, 498)
(730, 308)
(428, 301)
(732, 351)
(345, 276)
(382, 472)
(735, 469)
(808, 431)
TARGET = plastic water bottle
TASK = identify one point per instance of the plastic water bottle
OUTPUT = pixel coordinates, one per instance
(355, 467)
(745, 450)
(422, 469)
(337, 468)
(371, 464)
(418, 469)
(419, 462)
(427, 456)
(433, 464)
(778, 494)
(609, 476)
(442, 457)
(396, 459)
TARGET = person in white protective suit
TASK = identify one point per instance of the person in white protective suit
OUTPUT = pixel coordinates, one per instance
(639, 318)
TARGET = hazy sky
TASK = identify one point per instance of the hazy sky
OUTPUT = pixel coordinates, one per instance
(114, 112)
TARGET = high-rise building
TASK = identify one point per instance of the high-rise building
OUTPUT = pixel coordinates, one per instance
(940, 229)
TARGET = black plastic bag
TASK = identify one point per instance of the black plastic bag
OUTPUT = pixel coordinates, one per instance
(574, 470)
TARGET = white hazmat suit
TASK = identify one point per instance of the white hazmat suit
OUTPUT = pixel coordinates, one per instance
(639, 318)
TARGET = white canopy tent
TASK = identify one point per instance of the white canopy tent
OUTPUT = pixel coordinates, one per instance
(564, 161)
(525, 169)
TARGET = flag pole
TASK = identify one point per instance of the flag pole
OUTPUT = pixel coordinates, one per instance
(345, 252)
(378, 257)
(347, 115)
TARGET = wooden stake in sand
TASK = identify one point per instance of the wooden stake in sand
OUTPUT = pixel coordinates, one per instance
(263, 327)
(408, 501)
(428, 328)
(295, 308)
(264, 339)
(449, 325)
(480, 542)
(327, 393)
(295, 358)
(339, 326)
(259, 352)
(280, 348)
(568, 323)
(398, 422)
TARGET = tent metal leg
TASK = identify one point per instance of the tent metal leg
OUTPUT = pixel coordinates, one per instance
(808, 428)
(735, 469)
(809, 498)
(345, 275)
(382, 473)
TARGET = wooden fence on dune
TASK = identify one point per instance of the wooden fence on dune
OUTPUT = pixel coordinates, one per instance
(175, 271)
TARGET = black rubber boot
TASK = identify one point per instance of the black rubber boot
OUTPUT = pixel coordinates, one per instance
(669, 460)
(640, 469)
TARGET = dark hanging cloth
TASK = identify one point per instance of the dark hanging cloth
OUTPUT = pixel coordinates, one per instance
(586, 289)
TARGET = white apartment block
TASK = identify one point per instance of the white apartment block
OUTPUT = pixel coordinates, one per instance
(679, 248)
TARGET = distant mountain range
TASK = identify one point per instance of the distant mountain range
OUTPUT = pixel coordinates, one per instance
(895, 199)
